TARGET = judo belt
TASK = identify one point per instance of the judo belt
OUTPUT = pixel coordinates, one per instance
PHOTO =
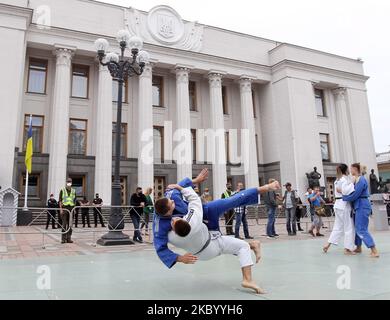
(205, 245)
(339, 198)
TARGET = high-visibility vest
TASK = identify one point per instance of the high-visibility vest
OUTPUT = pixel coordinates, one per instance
(68, 200)
(226, 194)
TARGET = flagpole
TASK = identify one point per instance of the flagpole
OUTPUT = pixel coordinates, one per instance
(25, 208)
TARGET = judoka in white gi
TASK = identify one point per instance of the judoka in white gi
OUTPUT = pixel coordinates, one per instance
(191, 234)
(343, 225)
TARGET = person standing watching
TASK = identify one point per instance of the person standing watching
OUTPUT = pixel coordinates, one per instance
(85, 211)
(241, 216)
(316, 200)
(97, 211)
(290, 205)
(206, 197)
(148, 210)
(51, 214)
(138, 202)
(271, 205)
(67, 201)
(229, 215)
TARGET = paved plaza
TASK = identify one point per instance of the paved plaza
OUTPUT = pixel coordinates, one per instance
(291, 268)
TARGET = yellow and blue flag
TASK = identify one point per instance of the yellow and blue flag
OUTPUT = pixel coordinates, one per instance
(29, 148)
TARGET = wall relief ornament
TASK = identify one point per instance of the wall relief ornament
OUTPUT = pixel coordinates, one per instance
(164, 26)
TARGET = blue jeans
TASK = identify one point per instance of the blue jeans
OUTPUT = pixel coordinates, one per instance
(241, 217)
(361, 225)
(213, 210)
(271, 221)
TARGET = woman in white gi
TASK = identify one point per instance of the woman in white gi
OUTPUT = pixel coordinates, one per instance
(191, 234)
(343, 225)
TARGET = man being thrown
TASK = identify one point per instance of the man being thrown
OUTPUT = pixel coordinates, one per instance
(173, 205)
(191, 234)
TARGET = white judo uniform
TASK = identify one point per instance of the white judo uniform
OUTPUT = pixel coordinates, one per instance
(206, 244)
(343, 224)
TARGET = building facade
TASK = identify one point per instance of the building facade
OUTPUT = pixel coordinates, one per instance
(300, 108)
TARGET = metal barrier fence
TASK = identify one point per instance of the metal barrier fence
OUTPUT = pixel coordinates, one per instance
(128, 211)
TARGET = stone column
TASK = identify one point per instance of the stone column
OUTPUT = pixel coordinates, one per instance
(145, 129)
(183, 152)
(248, 140)
(60, 122)
(343, 124)
(218, 125)
(103, 162)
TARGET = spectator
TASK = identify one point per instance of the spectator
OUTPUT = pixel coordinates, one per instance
(85, 211)
(148, 210)
(316, 200)
(240, 213)
(290, 205)
(138, 202)
(299, 213)
(97, 211)
(51, 214)
(206, 197)
(229, 215)
(271, 205)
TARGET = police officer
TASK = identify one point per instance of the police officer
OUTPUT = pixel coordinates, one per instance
(67, 201)
(98, 203)
(51, 214)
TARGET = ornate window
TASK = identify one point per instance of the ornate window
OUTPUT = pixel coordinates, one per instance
(77, 137)
(37, 76)
(158, 143)
(158, 91)
(192, 93)
(324, 140)
(320, 102)
(80, 80)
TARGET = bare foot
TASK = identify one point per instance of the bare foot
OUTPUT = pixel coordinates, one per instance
(255, 246)
(253, 286)
(358, 250)
(374, 253)
(326, 248)
(348, 252)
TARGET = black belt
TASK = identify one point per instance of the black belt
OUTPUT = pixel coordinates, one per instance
(364, 197)
(205, 245)
(339, 198)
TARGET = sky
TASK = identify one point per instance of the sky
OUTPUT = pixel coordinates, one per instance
(351, 28)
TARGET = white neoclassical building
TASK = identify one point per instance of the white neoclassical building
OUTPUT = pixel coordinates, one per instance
(301, 108)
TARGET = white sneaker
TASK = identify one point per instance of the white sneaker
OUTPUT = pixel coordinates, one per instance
(271, 238)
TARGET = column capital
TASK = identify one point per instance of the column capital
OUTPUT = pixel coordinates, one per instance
(215, 78)
(64, 55)
(339, 93)
(182, 73)
(245, 84)
(148, 70)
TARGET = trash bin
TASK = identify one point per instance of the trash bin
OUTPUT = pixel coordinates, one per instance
(379, 213)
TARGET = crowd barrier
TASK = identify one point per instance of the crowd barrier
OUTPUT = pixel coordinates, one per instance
(255, 214)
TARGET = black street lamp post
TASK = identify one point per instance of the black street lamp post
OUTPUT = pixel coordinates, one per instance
(120, 69)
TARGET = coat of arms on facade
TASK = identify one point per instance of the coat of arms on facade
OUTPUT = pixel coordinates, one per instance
(163, 25)
(166, 26)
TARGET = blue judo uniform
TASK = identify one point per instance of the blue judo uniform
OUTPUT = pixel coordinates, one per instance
(361, 203)
(211, 213)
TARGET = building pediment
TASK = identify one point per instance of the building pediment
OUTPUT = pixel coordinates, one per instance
(162, 25)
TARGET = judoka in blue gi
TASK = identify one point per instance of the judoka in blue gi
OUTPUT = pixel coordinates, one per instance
(360, 200)
(174, 206)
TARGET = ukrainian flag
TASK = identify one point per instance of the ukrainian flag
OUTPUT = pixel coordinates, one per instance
(29, 148)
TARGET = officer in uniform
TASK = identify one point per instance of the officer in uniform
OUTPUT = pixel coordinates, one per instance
(67, 201)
